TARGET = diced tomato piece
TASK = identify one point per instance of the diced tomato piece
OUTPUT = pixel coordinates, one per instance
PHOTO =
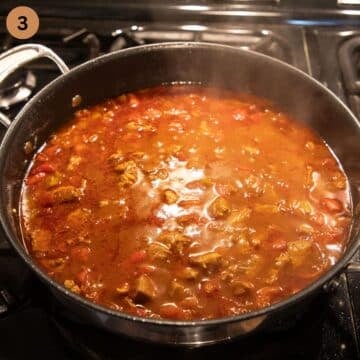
(138, 256)
(181, 155)
(62, 247)
(156, 217)
(75, 180)
(331, 205)
(155, 220)
(80, 253)
(42, 157)
(276, 241)
(45, 199)
(34, 179)
(170, 311)
(44, 168)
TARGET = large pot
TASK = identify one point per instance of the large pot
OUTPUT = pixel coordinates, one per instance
(145, 66)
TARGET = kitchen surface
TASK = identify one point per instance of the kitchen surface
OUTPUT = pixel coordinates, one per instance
(322, 40)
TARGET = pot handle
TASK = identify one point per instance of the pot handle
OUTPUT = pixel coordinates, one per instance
(18, 56)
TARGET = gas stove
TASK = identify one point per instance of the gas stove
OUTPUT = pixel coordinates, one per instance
(324, 42)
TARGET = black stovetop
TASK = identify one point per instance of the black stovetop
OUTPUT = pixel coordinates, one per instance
(31, 326)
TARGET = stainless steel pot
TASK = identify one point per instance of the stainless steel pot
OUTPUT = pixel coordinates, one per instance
(145, 66)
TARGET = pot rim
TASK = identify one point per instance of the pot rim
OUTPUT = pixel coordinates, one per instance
(143, 49)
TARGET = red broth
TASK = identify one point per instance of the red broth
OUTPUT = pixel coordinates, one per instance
(184, 202)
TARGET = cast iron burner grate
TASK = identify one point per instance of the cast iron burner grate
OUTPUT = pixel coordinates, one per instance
(74, 47)
(349, 59)
(272, 42)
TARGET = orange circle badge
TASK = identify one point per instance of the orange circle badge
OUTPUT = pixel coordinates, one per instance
(22, 22)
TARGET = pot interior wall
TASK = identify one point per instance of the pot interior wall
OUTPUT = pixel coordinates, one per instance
(139, 68)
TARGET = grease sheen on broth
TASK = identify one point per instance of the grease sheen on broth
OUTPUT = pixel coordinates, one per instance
(185, 202)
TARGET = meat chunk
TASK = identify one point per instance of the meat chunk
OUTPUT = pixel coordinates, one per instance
(158, 251)
(298, 251)
(219, 208)
(71, 285)
(170, 196)
(123, 289)
(188, 219)
(170, 237)
(128, 173)
(176, 290)
(241, 287)
(64, 194)
(52, 180)
(238, 216)
(254, 264)
(188, 273)
(125, 166)
(302, 207)
(161, 174)
(56, 264)
(175, 240)
(282, 259)
(305, 229)
(78, 218)
(210, 287)
(74, 162)
(226, 188)
(338, 181)
(116, 159)
(272, 276)
(41, 240)
(137, 155)
(179, 246)
(209, 259)
(257, 238)
(145, 289)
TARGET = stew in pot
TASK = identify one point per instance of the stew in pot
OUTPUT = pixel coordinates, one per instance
(185, 202)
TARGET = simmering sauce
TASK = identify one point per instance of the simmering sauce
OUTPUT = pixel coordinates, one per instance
(185, 202)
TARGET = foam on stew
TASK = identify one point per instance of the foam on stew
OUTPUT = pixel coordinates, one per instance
(185, 202)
